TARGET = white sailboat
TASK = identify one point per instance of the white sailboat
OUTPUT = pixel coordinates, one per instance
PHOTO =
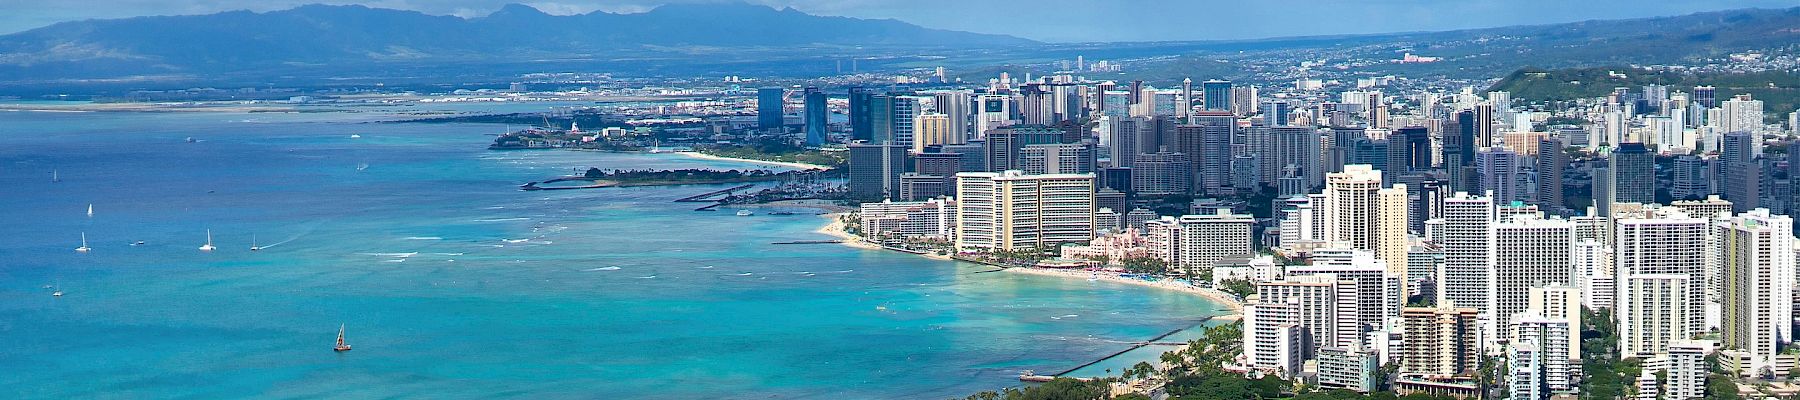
(341, 346)
(253, 246)
(90, 210)
(54, 177)
(84, 247)
(208, 246)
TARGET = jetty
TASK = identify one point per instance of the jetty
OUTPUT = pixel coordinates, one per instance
(709, 196)
(810, 242)
(1028, 376)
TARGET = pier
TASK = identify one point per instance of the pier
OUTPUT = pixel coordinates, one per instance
(708, 196)
(810, 242)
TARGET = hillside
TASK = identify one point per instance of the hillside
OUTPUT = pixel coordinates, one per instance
(1779, 90)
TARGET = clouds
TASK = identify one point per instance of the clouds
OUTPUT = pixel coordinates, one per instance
(1048, 20)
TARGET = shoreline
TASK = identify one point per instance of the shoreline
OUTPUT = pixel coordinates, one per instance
(835, 228)
(705, 156)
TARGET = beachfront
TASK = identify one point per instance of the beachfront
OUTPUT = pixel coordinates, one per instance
(835, 228)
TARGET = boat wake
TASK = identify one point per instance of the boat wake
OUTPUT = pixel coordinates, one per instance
(602, 269)
(1065, 316)
(503, 219)
(423, 238)
(647, 277)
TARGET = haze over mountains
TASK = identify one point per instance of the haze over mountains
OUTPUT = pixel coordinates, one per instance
(320, 34)
(310, 43)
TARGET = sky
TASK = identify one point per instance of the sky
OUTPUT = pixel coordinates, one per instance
(1044, 20)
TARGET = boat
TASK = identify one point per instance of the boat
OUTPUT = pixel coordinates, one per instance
(744, 213)
(355, 136)
(208, 246)
(90, 210)
(54, 177)
(362, 166)
(137, 243)
(57, 293)
(253, 246)
(341, 346)
(84, 247)
(190, 139)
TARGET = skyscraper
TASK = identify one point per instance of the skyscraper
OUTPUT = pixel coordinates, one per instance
(1550, 164)
(1218, 95)
(862, 114)
(768, 108)
(1663, 241)
(1057, 158)
(1500, 177)
(932, 129)
(1459, 152)
(815, 114)
(1529, 252)
(1005, 145)
(1359, 212)
(956, 106)
(1634, 174)
(875, 170)
(1442, 341)
(1468, 245)
(1162, 173)
(992, 111)
(1206, 239)
(1757, 258)
(1652, 313)
(1740, 172)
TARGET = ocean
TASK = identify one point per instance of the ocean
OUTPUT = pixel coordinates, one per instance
(452, 283)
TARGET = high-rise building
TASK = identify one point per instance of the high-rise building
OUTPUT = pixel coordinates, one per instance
(1218, 95)
(1652, 312)
(1528, 253)
(1484, 125)
(1663, 241)
(816, 116)
(993, 111)
(1276, 112)
(1706, 96)
(1010, 210)
(1740, 171)
(1243, 100)
(875, 170)
(1554, 321)
(1757, 258)
(1380, 293)
(1526, 372)
(1686, 369)
(932, 129)
(1459, 152)
(1057, 158)
(1593, 261)
(905, 113)
(1468, 245)
(1297, 153)
(1693, 178)
(1325, 304)
(1162, 173)
(1441, 341)
(1005, 145)
(1634, 174)
(1500, 175)
(1550, 164)
(862, 114)
(1205, 239)
(1411, 150)
(1276, 340)
(881, 119)
(1362, 214)
(956, 106)
(1741, 114)
(768, 108)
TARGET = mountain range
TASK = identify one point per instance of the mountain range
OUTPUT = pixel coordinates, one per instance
(351, 35)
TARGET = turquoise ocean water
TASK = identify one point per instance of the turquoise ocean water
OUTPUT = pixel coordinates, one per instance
(454, 284)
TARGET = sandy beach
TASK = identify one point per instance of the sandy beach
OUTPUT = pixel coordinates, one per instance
(835, 228)
(705, 156)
